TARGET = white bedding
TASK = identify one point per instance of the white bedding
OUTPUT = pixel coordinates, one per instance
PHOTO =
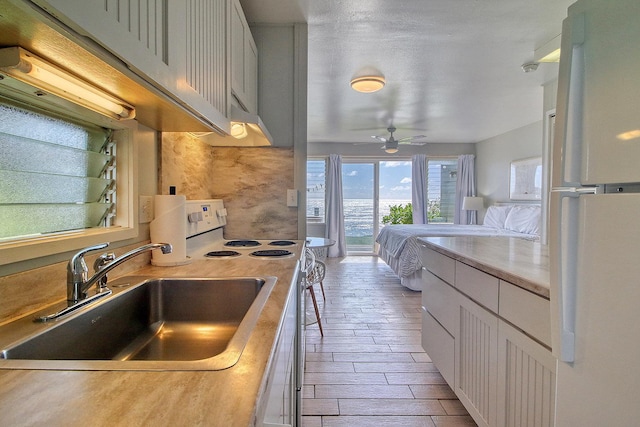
(400, 250)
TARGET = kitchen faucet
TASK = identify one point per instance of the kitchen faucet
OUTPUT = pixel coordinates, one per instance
(78, 281)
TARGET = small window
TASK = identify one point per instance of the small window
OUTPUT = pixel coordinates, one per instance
(316, 175)
(58, 183)
(441, 189)
(55, 175)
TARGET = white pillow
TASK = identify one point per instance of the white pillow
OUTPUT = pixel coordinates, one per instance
(496, 216)
(524, 219)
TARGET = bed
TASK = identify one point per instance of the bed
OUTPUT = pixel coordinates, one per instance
(398, 244)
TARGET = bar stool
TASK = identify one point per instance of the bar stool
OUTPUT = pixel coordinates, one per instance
(314, 273)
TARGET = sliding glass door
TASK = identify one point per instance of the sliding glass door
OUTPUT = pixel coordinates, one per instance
(360, 208)
(370, 189)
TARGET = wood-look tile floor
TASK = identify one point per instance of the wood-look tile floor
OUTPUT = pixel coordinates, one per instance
(369, 369)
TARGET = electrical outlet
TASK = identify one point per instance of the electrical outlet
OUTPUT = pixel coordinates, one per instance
(292, 198)
(145, 209)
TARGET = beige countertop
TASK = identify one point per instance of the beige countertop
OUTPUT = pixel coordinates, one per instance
(138, 398)
(521, 262)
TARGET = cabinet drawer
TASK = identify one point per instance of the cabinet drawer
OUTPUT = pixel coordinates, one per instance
(440, 265)
(439, 345)
(527, 311)
(479, 286)
(439, 299)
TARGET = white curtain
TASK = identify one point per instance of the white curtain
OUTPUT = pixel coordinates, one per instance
(335, 211)
(419, 188)
(465, 186)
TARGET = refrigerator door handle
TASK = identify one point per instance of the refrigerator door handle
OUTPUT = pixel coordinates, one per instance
(565, 280)
(572, 141)
(566, 242)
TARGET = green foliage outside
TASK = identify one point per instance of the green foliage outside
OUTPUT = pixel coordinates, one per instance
(402, 214)
(433, 210)
(399, 214)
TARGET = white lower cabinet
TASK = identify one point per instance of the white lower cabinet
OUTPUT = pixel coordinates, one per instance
(477, 361)
(278, 404)
(526, 380)
(487, 353)
(441, 345)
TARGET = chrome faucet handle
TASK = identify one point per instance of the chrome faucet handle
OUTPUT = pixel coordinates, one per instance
(100, 263)
(78, 273)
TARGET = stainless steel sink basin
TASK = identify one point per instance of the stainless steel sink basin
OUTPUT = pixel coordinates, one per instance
(152, 324)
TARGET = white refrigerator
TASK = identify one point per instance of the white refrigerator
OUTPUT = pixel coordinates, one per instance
(595, 217)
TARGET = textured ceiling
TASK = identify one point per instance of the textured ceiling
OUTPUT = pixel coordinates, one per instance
(453, 67)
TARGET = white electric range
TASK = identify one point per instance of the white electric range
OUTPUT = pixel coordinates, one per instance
(205, 221)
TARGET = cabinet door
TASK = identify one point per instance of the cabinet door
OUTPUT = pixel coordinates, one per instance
(251, 74)
(526, 380)
(279, 400)
(244, 61)
(476, 361)
(199, 52)
(439, 345)
(237, 48)
(136, 31)
(177, 46)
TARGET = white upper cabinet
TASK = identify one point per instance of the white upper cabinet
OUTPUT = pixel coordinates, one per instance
(199, 51)
(244, 61)
(180, 47)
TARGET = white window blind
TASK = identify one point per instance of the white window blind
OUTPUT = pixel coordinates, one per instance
(56, 175)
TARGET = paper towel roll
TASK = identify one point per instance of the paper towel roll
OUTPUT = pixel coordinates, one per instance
(170, 226)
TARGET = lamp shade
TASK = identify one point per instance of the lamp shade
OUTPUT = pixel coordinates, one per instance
(472, 203)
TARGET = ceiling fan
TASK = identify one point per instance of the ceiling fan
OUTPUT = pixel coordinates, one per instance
(391, 144)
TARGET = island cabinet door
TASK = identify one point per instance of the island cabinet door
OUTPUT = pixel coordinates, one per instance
(526, 380)
(439, 323)
(476, 361)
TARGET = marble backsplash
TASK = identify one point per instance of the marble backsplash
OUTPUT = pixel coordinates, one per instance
(252, 182)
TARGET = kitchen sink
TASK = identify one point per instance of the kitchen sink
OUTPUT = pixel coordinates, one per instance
(147, 324)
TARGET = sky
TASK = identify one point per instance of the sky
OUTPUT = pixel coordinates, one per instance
(357, 180)
(395, 180)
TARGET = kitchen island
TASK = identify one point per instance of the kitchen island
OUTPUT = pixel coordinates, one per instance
(229, 397)
(487, 327)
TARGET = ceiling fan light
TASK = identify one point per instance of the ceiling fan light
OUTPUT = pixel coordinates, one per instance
(368, 84)
(391, 150)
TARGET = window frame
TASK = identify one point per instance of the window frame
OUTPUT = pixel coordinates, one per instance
(125, 225)
(437, 158)
(324, 159)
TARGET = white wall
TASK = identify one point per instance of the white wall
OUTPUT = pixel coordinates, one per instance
(494, 157)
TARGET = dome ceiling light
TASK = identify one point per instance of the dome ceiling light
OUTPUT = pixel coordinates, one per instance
(368, 84)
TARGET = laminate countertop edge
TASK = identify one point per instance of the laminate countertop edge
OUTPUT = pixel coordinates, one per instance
(521, 262)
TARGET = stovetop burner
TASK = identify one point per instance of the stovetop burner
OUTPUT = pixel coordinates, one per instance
(221, 254)
(273, 253)
(282, 243)
(242, 243)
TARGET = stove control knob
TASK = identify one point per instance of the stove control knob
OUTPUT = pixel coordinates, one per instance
(195, 217)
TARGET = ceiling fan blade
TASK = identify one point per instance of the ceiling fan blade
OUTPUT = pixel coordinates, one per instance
(379, 138)
(366, 143)
(410, 138)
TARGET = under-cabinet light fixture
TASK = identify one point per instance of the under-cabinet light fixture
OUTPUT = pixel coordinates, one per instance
(26, 67)
(238, 130)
